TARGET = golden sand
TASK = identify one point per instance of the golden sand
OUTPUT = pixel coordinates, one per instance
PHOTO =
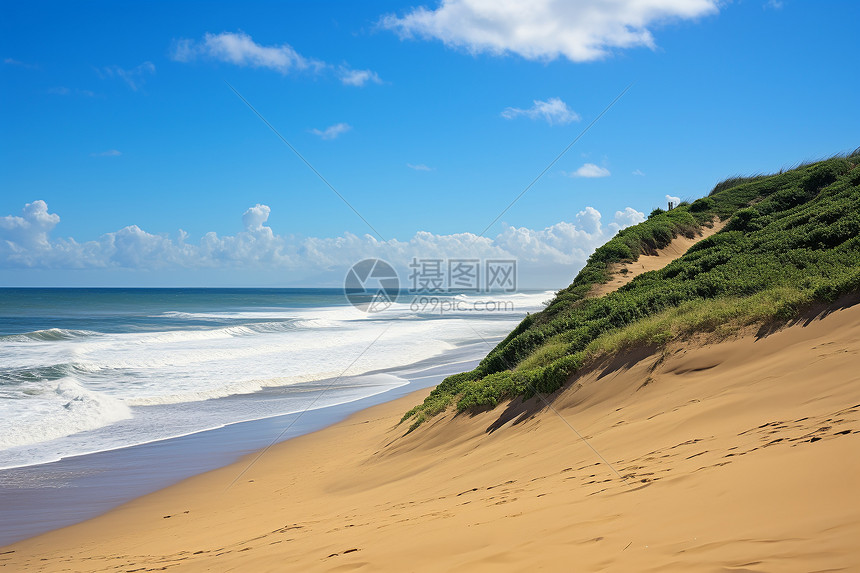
(737, 456)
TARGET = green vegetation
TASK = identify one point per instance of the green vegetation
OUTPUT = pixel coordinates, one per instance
(792, 239)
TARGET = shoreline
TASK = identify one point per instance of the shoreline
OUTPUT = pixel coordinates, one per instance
(737, 455)
(75, 489)
(218, 480)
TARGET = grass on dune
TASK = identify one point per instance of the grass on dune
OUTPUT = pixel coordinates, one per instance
(792, 239)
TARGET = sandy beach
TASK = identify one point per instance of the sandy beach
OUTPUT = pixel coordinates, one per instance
(734, 456)
(407, 287)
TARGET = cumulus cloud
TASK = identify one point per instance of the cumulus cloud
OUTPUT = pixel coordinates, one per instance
(133, 77)
(419, 167)
(31, 229)
(333, 131)
(255, 216)
(674, 200)
(579, 30)
(552, 111)
(590, 170)
(25, 242)
(357, 78)
(629, 216)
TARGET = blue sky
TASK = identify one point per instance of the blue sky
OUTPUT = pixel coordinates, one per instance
(126, 159)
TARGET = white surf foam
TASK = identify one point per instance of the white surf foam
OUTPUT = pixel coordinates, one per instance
(64, 408)
(107, 378)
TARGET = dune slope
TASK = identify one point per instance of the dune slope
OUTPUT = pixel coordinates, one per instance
(791, 239)
(622, 273)
(736, 456)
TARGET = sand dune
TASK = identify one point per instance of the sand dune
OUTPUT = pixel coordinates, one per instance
(623, 273)
(737, 456)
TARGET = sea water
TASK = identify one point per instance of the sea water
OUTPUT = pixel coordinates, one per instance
(94, 370)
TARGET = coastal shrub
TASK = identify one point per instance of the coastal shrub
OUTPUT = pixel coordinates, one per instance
(701, 205)
(744, 220)
(792, 239)
(732, 182)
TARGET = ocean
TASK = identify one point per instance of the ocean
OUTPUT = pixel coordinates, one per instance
(88, 370)
(107, 394)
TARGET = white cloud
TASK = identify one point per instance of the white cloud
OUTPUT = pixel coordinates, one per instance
(358, 78)
(773, 4)
(552, 110)
(134, 77)
(108, 153)
(590, 170)
(674, 200)
(629, 216)
(580, 30)
(240, 49)
(419, 167)
(638, 173)
(332, 131)
(31, 229)
(255, 216)
(559, 248)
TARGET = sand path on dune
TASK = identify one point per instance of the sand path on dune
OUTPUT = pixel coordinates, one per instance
(737, 456)
(623, 273)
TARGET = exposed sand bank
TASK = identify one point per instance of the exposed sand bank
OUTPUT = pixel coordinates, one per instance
(738, 456)
(623, 273)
